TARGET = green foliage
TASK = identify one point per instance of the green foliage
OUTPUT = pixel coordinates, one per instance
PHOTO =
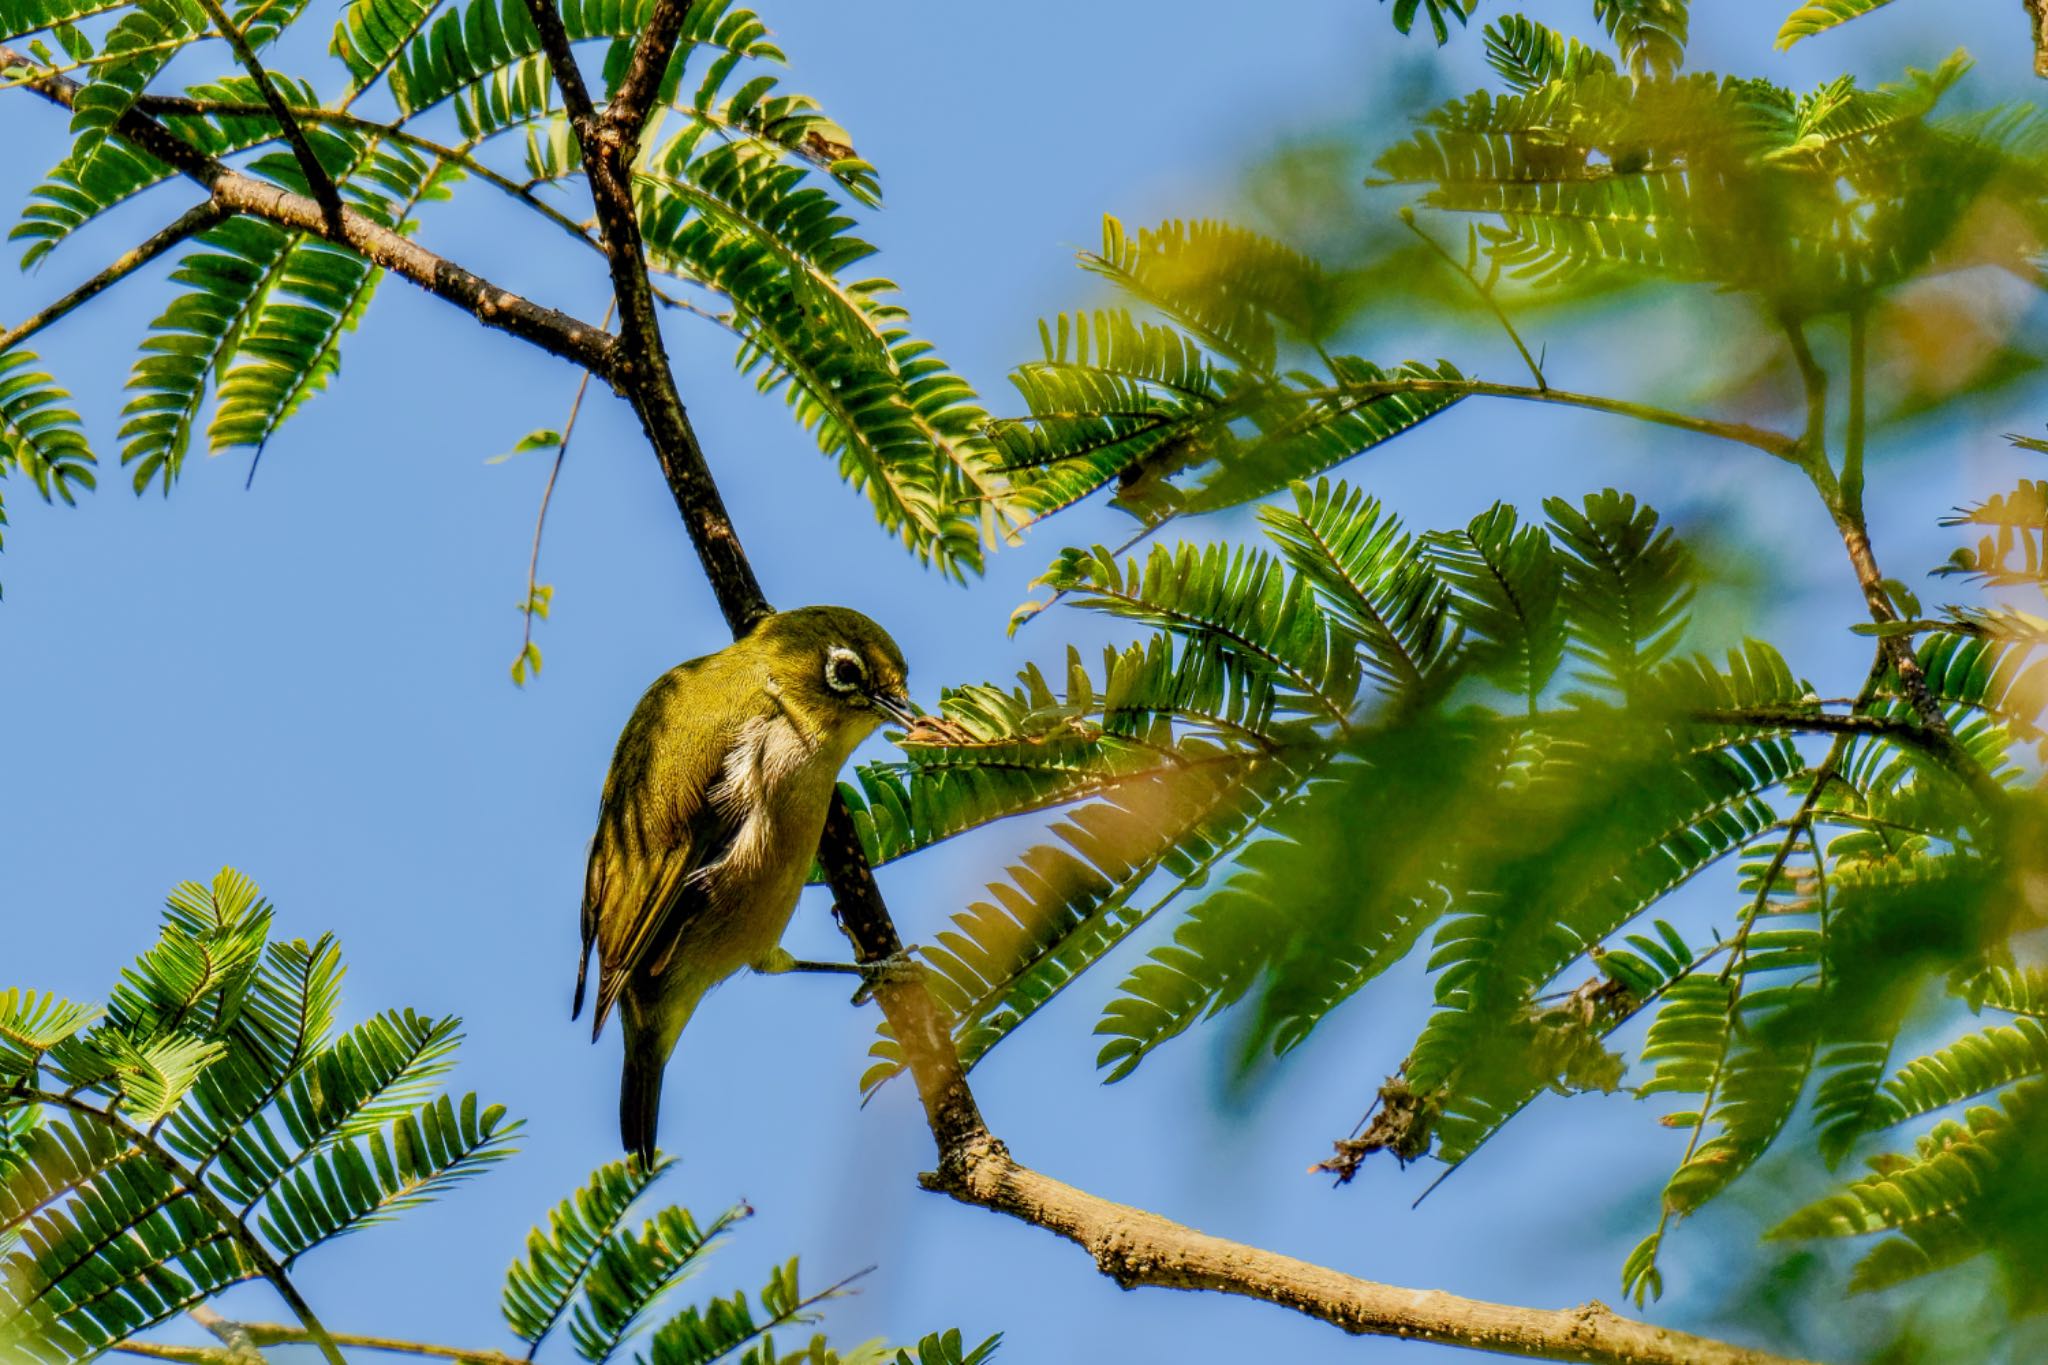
(208, 1126)
(1809, 202)
(213, 1128)
(1822, 15)
(540, 1287)
(1210, 406)
(1529, 56)
(39, 433)
(1439, 13)
(744, 189)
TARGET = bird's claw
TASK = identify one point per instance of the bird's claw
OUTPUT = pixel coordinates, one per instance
(899, 968)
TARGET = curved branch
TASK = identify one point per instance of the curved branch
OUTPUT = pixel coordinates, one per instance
(1137, 1248)
(463, 156)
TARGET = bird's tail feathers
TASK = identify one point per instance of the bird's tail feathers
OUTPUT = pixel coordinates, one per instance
(650, 1038)
(640, 1096)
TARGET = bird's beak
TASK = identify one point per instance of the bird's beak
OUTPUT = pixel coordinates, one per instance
(896, 706)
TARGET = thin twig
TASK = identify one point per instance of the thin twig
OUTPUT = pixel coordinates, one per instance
(547, 498)
(1775, 443)
(1480, 287)
(195, 220)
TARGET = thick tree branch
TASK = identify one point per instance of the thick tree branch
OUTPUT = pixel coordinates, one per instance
(552, 331)
(317, 179)
(1136, 1248)
(190, 223)
(640, 87)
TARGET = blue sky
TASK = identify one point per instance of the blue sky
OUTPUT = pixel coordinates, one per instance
(308, 680)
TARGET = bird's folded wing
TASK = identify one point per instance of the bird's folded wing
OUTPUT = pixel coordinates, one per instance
(657, 828)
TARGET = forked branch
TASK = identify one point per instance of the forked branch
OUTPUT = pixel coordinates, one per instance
(552, 331)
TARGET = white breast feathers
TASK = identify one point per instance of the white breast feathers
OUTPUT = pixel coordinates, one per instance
(768, 753)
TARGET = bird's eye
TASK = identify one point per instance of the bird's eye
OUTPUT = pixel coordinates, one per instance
(844, 671)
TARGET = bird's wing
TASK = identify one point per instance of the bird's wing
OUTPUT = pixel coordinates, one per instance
(656, 827)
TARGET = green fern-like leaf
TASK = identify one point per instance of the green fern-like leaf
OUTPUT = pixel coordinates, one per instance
(1651, 34)
(1506, 583)
(1821, 16)
(1438, 12)
(1627, 586)
(290, 346)
(1529, 56)
(1260, 619)
(139, 45)
(633, 1271)
(226, 281)
(1374, 579)
(359, 1182)
(32, 1022)
(1975, 1064)
(541, 1286)
(40, 435)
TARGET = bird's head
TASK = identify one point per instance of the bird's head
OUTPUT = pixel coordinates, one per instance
(838, 667)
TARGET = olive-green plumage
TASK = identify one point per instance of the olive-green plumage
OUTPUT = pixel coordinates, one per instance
(711, 813)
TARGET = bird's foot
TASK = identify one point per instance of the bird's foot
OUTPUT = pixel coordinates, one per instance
(898, 968)
(778, 960)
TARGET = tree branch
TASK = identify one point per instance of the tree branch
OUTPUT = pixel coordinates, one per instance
(462, 156)
(1823, 723)
(283, 1334)
(641, 372)
(317, 179)
(554, 332)
(641, 85)
(191, 223)
(1136, 1248)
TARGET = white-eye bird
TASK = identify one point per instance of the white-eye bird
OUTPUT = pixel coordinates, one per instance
(710, 818)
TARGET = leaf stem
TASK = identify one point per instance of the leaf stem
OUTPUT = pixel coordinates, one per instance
(1481, 288)
(251, 1246)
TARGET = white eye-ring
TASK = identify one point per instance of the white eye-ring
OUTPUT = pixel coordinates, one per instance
(845, 673)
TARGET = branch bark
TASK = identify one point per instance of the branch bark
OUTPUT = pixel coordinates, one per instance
(318, 180)
(554, 332)
(1136, 1248)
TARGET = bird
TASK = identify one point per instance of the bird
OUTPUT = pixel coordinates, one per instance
(710, 815)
